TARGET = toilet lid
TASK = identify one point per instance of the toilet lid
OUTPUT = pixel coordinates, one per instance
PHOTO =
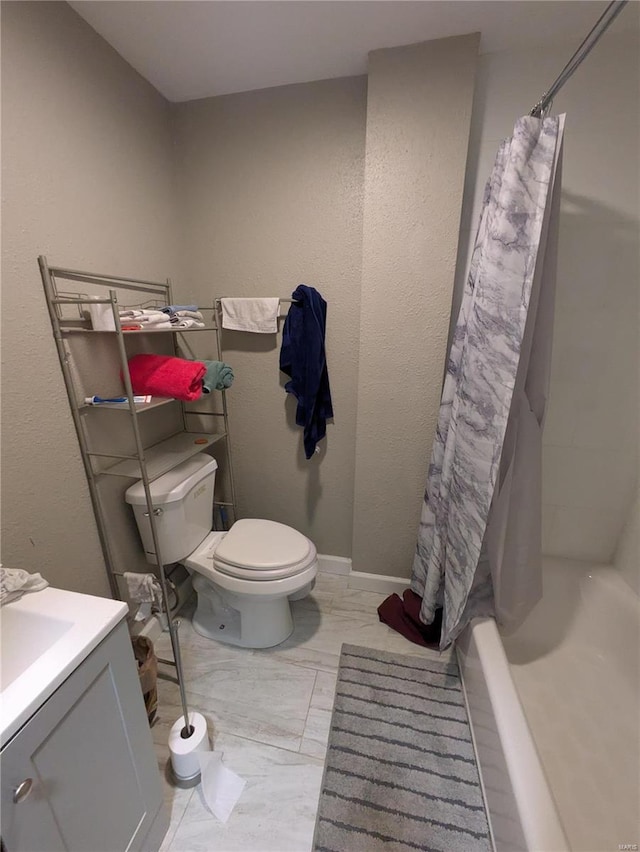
(262, 546)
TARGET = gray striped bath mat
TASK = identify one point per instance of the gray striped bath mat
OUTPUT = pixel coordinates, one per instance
(400, 772)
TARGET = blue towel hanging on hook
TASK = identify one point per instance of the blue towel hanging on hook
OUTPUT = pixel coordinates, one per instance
(302, 357)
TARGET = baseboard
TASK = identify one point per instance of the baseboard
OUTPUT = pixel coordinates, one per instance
(334, 564)
(377, 582)
(360, 579)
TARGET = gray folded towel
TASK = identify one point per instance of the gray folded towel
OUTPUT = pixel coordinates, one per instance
(196, 315)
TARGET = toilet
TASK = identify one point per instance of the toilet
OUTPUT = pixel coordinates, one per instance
(244, 578)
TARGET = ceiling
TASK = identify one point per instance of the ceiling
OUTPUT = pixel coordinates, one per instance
(191, 50)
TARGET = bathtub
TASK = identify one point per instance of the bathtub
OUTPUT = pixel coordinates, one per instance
(554, 711)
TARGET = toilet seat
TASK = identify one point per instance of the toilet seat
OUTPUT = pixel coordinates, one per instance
(246, 605)
(257, 550)
(261, 574)
(258, 545)
(202, 563)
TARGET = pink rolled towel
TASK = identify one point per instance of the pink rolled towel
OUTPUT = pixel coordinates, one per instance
(163, 375)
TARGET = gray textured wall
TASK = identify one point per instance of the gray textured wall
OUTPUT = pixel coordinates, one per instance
(270, 196)
(87, 180)
(270, 188)
(255, 193)
(418, 118)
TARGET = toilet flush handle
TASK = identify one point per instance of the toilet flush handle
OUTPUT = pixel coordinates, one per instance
(155, 512)
(22, 791)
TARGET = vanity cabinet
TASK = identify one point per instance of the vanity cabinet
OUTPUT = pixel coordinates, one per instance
(81, 775)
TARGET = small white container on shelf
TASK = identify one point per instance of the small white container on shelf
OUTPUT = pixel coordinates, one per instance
(102, 318)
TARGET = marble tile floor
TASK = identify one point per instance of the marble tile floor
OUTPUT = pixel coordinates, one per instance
(269, 713)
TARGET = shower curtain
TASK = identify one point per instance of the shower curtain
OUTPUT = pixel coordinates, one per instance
(479, 539)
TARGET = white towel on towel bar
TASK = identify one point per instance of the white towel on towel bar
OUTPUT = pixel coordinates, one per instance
(258, 315)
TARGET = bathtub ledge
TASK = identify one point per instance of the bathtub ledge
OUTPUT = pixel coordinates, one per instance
(521, 807)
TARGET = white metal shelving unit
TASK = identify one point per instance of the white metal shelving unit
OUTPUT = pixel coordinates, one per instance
(146, 463)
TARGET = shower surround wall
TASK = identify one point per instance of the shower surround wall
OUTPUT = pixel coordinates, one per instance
(627, 556)
(590, 456)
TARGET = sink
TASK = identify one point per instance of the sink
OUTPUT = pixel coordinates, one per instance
(45, 636)
(36, 634)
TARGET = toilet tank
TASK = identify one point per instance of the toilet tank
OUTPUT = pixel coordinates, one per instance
(183, 505)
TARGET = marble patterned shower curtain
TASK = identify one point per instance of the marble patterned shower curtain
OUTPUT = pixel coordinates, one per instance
(478, 550)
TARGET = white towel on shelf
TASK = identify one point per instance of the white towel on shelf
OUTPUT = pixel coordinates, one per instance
(151, 318)
(14, 582)
(141, 312)
(186, 322)
(196, 315)
(257, 315)
(151, 326)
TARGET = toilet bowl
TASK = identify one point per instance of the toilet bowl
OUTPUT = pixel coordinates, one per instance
(244, 578)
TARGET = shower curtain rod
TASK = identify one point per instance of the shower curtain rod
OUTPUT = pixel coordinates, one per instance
(599, 28)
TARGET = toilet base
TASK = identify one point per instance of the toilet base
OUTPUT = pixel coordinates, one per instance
(240, 620)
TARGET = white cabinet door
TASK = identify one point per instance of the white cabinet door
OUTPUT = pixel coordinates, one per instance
(89, 755)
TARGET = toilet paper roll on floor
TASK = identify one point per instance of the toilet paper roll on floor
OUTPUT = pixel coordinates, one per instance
(184, 751)
(192, 758)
